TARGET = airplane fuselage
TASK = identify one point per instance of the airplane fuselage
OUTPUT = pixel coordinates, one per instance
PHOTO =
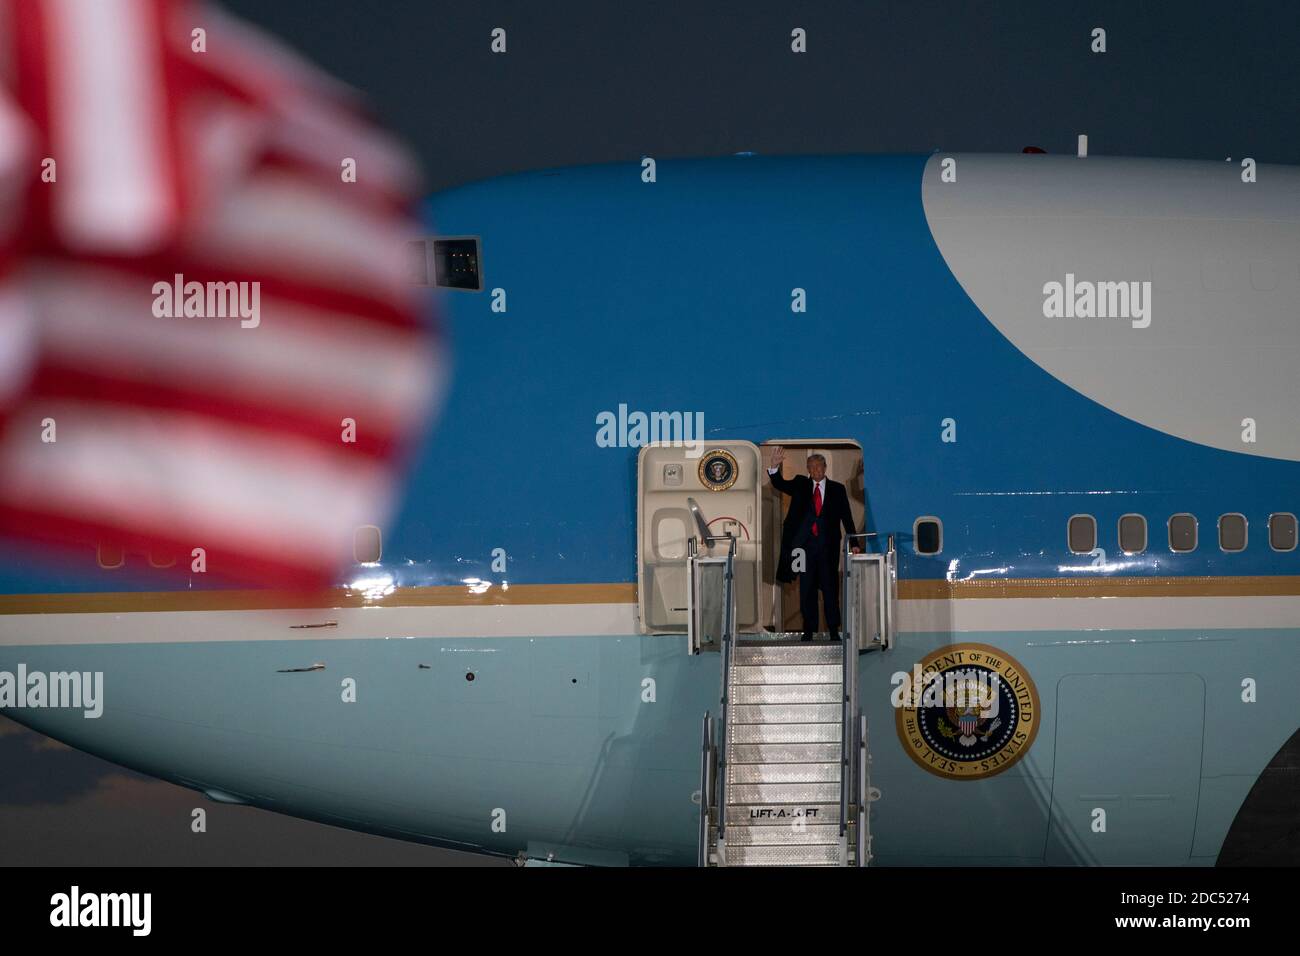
(1033, 340)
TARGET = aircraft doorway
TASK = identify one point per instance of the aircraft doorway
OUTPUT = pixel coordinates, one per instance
(778, 601)
(726, 491)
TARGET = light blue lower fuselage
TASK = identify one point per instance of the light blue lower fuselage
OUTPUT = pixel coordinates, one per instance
(594, 771)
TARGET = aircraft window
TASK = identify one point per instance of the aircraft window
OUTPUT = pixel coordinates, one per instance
(1132, 534)
(1232, 532)
(1281, 531)
(669, 533)
(456, 264)
(367, 545)
(110, 555)
(1182, 533)
(1082, 534)
(927, 534)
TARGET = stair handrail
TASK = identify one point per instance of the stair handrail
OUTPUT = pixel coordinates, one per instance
(706, 787)
(848, 594)
(724, 710)
(848, 678)
(847, 667)
(862, 793)
(890, 598)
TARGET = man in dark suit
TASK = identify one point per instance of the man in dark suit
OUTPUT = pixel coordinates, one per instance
(818, 509)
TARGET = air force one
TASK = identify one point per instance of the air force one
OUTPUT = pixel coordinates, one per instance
(1062, 393)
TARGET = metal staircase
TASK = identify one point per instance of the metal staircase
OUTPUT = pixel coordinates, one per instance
(784, 766)
(784, 758)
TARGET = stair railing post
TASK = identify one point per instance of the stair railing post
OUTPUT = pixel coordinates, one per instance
(728, 626)
(706, 787)
(864, 808)
(692, 632)
(849, 674)
(846, 731)
(889, 595)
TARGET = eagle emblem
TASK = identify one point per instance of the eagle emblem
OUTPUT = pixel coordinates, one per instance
(966, 711)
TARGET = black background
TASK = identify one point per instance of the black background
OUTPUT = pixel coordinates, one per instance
(586, 82)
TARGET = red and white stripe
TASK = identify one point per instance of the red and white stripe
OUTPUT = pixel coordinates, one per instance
(224, 166)
(108, 126)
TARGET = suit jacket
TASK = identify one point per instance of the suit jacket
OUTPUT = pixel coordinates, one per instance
(796, 532)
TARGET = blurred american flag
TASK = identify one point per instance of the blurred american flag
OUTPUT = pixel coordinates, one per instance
(219, 165)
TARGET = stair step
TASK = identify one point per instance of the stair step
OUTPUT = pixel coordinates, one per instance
(741, 773)
(787, 674)
(783, 733)
(788, 835)
(786, 714)
(766, 793)
(786, 693)
(818, 855)
(808, 653)
(784, 753)
(768, 814)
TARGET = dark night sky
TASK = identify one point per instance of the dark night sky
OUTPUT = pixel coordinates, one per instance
(588, 82)
(596, 81)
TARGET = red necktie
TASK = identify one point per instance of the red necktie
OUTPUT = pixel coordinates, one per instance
(817, 504)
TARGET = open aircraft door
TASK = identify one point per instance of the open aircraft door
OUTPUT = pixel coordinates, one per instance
(698, 547)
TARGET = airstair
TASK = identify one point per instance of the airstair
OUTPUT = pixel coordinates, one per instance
(785, 763)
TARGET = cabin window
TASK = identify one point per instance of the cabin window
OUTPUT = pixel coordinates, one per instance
(1081, 534)
(1232, 532)
(1182, 533)
(1132, 534)
(927, 535)
(110, 555)
(456, 264)
(1281, 531)
(367, 545)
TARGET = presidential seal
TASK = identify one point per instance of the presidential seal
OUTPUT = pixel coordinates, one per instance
(718, 469)
(966, 712)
